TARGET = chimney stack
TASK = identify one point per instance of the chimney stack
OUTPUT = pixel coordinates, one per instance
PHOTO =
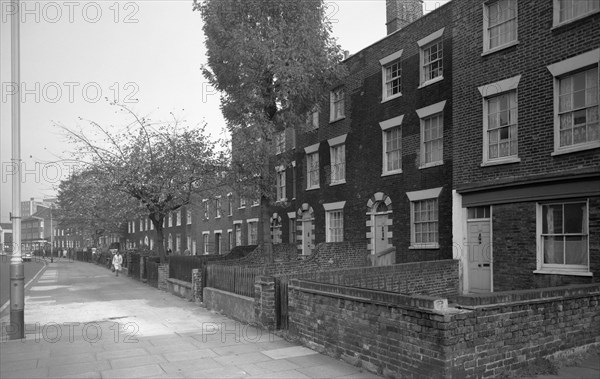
(400, 13)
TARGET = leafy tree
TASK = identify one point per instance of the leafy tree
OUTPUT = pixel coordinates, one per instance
(272, 62)
(160, 165)
(88, 203)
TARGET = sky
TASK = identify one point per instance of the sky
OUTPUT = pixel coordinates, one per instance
(146, 54)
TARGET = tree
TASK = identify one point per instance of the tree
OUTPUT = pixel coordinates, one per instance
(160, 165)
(272, 62)
(88, 203)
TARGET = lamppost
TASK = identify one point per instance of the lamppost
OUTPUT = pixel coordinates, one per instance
(17, 272)
(51, 237)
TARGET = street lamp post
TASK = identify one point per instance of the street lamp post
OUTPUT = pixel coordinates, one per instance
(17, 273)
(51, 237)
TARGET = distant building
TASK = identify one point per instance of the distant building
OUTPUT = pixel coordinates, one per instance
(6, 238)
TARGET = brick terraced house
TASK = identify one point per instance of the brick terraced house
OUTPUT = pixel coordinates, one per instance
(526, 143)
(374, 163)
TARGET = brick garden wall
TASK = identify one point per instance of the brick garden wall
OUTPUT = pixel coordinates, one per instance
(439, 278)
(417, 340)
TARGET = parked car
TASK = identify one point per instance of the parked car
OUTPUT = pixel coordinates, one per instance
(27, 256)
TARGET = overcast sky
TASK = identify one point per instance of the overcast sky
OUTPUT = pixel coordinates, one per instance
(146, 54)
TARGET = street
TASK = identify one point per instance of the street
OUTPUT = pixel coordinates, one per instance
(31, 268)
(82, 321)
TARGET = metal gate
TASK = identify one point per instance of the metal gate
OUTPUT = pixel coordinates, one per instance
(281, 302)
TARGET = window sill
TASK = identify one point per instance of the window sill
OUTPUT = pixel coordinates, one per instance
(432, 164)
(313, 188)
(424, 247)
(386, 99)
(499, 48)
(501, 162)
(559, 272)
(390, 173)
(431, 81)
(576, 148)
(575, 19)
(337, 119)
(337, 183)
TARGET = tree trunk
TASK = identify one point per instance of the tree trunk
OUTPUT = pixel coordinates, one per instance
(160, 238)
(266, 229)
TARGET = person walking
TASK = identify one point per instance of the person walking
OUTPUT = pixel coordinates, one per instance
(117, 261)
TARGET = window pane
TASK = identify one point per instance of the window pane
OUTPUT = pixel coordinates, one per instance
(576, 250)
(553, 250)
(573, 215)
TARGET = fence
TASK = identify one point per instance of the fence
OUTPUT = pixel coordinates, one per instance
(239, 280)
(134, 265)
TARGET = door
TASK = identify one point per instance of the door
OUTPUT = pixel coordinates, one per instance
(380, 233)
(306, 245)
(480, 259)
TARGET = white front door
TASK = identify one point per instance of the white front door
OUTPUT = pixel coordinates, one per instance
(480, 259)
(306, 237)
(380, 241)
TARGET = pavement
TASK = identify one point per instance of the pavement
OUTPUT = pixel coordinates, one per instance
(83, 322)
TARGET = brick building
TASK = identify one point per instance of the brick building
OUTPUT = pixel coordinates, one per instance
(374, 163)
(526, 158)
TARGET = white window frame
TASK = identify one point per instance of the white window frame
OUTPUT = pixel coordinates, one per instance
(385, 63)
(170, 219)
(151, 225)
(335, 144)
(556, 14)
(218, 207)
(337, 104)
(566, 68)
(205, 208)
(413, 197)
(178, 217)
(237, 226)
(279, 140)
(230, 204)
(386, 126)
(252, 238)
(561, 269)
(312, 159)
(188, 215)
(330, 210)
(205, 242)
(486, 28)
(280, 179)
(141, 225)
(424, 44)
(425, 113)
(489, 91)
(242, 202)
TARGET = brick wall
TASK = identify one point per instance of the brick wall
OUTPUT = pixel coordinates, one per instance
(439, 278)
(539, 45)
(397, 339)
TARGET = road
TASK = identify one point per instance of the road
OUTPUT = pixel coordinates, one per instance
(31, 268)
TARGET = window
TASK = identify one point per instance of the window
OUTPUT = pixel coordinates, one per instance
(334, 220)
(576, 106)
(205, 204)
(178, 217)
(499, 25)
(151, 225)
(431, 53)
(392, 145)
(312, 166)
(242, 202)
(391, 71)
(563, 237)
(280, 183)
(205, 243)
(218, 207)
(141, 225)
(178, 243)
(253, 232)
(337, 105)
(566, 11)
(279, 142)
(237, 228)
(500, 122)
(338, 159)
(293, 179)
(432, 134)
(424, 222)
(230, 205)
(218, 242)
(188, 214)
(188, 243)
(230, 238)
(170, 219)
(312, 120)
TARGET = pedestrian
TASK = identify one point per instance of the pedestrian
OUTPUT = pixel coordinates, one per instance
(117, 261)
